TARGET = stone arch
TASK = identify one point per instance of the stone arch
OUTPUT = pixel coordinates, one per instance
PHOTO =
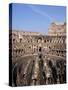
(20, 40)
(40, 49)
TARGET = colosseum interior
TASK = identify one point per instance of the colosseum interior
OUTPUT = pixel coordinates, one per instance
(39, 59)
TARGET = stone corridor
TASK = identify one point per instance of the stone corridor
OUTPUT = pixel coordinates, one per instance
(39, 70)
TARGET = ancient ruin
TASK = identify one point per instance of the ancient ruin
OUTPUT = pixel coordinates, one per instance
(39, 59)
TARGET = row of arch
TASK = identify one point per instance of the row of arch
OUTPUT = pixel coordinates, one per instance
(42, 40)
(22, 51)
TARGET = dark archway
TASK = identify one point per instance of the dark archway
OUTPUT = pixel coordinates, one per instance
(40, 49)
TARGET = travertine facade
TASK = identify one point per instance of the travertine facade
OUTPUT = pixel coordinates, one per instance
(39, 59)
(57, 29)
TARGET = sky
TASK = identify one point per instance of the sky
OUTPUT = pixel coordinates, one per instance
(36, 18)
